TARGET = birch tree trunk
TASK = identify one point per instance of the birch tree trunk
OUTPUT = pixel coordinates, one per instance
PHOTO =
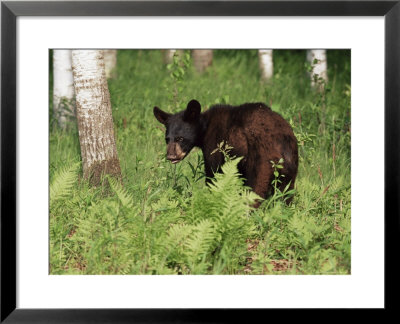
(319, 73)
(63, 87)
(266, 64)
(93, 110)
(202, 59)
(168, 54)
(110, 62)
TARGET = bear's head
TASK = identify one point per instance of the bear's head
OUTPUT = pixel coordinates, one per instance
(182, 130)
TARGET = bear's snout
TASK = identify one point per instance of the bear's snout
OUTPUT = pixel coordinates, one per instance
(175, 153)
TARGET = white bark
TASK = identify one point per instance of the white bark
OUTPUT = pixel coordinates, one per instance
(266, 64)
(318, 61)
(63, 87)
(168, 55)
(93, 110)
(202, 59)
(110, 61)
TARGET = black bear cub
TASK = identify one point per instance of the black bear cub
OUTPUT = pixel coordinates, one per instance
(255, 132)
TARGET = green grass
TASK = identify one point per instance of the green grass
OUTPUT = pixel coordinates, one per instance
(164, 220)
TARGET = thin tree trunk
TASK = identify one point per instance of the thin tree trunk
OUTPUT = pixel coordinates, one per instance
(95, 124)
(110, 61)
(63, 87)
(319, 77)
(202, 59)
(266, 64)
(168, 54)
(319, 74)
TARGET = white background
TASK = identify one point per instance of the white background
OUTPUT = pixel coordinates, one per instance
(363, 288)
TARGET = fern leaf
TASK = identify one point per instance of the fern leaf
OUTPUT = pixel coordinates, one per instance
(124, 197)
(201, 240)
(63, 181)
(228, 205)
(174, 243)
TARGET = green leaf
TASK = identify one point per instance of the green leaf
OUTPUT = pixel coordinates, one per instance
(63, 181)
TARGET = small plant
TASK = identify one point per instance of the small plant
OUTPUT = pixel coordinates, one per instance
(197, 169)
(224, 148)
(277, 166)
(177, 71)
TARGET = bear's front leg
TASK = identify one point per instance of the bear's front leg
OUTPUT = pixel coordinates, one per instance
(212, 164)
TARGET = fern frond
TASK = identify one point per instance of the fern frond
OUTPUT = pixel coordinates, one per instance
(124, 197)
(177, 234)
(227, 204)
(231, 199)
(63, 181)
(173, 245)
(201, 241)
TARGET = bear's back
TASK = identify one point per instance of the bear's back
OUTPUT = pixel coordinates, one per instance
(251, 127)
(254, 119)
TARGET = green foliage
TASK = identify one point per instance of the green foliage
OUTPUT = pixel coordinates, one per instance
(181, 61)
(163, 219)
(123, 196)
(63, 182)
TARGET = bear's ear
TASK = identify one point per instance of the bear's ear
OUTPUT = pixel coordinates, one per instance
(192, 111)
(161, 116)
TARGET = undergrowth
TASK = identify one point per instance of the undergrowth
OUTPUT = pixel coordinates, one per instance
(165, 220)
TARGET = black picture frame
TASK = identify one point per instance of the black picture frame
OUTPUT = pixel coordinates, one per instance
(11, 10)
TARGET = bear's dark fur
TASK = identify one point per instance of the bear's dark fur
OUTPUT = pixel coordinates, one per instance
(254, 131)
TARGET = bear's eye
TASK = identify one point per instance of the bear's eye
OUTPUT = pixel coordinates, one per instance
(179, 139)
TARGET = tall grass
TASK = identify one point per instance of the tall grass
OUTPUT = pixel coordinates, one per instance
(164, 220)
